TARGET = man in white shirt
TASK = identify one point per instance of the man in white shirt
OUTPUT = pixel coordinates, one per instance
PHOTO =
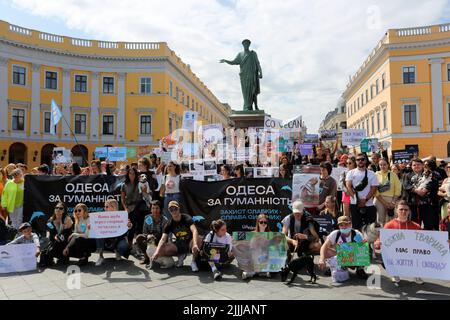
(362, 185)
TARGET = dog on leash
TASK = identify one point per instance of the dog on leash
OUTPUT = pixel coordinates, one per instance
(371, 233)
(164, 262)
(145, 195)
(298, 264)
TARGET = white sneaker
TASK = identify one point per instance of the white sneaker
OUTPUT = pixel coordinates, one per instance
(244, 275)
(418, 280)
(336, 284)
(180, 261)
(194, 266)
(395, 279)
(118, 257)
(99, 262)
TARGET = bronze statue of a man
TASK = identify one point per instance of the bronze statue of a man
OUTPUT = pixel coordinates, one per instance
(250, 74)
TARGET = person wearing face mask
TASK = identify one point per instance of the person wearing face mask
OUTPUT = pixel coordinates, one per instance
(345, 234)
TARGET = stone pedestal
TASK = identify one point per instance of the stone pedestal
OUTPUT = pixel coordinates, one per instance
(246, 119)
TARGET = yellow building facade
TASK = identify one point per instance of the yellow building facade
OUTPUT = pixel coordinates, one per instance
(401, 93)
(110, 94)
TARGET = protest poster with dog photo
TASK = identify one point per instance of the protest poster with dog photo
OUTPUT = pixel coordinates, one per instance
(305, 186)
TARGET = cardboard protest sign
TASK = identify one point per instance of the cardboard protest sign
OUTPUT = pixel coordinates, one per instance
(325, 223)
(260, 251)
(306, 149)
(266, 172)
(353, 254)
(212, 136)
(352, 137)
(305, 186)
(61, 155)
(101, 152)
(292, 125)
(18, 258)
(189, 120)
(108, 224)
(369, 145)
(131, 152)
(311, 138)
(117, 153)
(416, 253)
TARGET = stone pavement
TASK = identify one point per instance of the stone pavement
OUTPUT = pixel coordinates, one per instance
(127, 279)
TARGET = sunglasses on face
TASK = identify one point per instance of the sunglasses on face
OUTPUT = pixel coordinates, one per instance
(360, 159)
(262, 222)
(78, 210)
(59, 208)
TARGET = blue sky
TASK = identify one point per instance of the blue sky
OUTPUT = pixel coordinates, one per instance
(307, 49)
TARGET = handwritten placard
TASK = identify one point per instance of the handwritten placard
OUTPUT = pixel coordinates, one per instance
(108, 224)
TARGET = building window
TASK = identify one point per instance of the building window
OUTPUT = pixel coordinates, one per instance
(146, 124)
(18, 119)
(384, 119)
(367, 95)
(383, 81)
(372, 122)
(108, 85)
(448, 72)
(367, 126)
(409, 74)
(51, 80)
(371, 92)
(410, 114)
(378, 122)
(146, 85)
(188, 102)
(193, 104)
(377, 83)
(362, 125)
(80, 123)
(448, 110)
(80, 83)
(170, 125)
(108, 124)
(19, 75)
(170, 88)
(182, 98)
(362, 99)
(177, 94)
(176, 123)
(359, 106)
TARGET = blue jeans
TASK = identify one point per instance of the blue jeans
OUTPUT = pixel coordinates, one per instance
(169, 197)
(121, 246)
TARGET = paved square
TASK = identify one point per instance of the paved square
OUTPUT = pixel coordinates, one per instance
(127, 279)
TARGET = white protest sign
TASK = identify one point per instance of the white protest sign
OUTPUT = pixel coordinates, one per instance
(17, 258)
(352, 137)
(108, 224)
(189, 120)
(416, 253)
(292, 125)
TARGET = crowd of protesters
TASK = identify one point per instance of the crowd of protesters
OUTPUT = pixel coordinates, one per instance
(355, 190)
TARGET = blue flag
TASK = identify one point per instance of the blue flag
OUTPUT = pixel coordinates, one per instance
(54, 117)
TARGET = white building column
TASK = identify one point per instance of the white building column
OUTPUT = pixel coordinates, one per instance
(436, 94)
(35, 128)
(4, 96)
(94, 107)
(66, 104)
(121, 108)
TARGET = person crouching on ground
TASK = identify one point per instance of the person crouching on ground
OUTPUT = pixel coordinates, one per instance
(119, 245)
(220, 235)
(345, 234)
(186, 234)
(27, 237)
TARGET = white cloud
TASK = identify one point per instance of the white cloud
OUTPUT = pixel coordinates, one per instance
(307, 49)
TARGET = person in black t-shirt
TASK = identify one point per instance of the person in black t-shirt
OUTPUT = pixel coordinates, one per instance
(186, 234)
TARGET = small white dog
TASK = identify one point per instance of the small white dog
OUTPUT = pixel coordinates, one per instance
(164, 262)
(145, 195)
(371, 233)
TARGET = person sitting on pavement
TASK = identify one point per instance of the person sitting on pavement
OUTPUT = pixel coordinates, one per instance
(186, 234)
(220, 235)
(119, 245)
(59, 228)
(300, 230)
(27, 237)
(154, 224)
(345, 234)
(79, 245)
(401, 222)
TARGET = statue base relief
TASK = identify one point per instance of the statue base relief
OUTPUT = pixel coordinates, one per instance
(248, 118)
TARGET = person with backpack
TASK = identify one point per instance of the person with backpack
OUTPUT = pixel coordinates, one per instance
(345, 234)
(302, 232)
(388, 192)
(220, 239)
(361, 186)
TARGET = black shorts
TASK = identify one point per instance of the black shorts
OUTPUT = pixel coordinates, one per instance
(182, 246)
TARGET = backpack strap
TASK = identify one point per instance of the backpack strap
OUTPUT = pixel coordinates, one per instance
(338, 234)
(352, 236)
(292, 224)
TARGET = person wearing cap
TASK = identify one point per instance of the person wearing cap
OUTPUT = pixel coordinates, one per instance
(28, 236)
(344, 234)
(299, 228)
(186, 234)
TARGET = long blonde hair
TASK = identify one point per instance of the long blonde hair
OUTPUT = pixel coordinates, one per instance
(262, 216)
(83, 207)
